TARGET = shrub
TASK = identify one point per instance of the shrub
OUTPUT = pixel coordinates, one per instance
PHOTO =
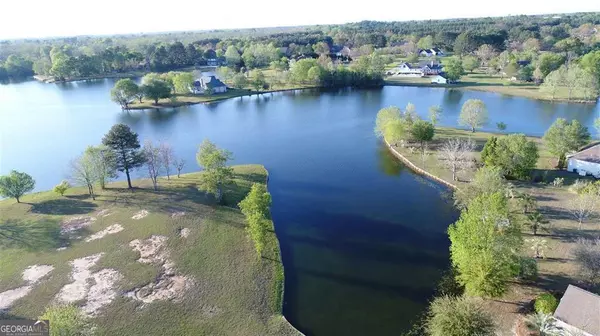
(62, 187)
(458, 316)
(528, 268)
(558, 182)
(546, 303)
(68, 321)
(578, 186)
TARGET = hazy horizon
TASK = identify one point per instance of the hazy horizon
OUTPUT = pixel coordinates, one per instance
(65, 18)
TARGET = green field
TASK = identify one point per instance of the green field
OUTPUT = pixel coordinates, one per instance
(229, 290)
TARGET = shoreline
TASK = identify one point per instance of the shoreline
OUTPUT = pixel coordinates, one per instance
(416, 169)
(490, 89)
(211, 99)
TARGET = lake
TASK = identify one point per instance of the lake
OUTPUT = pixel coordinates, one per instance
(363, 239)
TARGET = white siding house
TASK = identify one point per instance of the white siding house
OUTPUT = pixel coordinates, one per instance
(407, 70)
(586, 162)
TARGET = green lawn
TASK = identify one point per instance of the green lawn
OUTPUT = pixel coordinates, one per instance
(232, 292)
(481, 81)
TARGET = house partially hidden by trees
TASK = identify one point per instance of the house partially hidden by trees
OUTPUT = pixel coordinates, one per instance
(208, 84)
(431, 52)
(579, 312)
(431, 68)
(585, 162)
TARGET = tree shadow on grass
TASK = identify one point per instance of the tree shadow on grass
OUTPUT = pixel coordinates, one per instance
(36, 236)
(63, 206)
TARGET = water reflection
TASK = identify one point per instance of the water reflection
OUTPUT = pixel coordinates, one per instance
(387, 163)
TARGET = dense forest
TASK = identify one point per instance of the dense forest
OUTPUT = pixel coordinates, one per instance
(568, 35)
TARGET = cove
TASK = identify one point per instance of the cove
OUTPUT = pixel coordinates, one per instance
(363, 239)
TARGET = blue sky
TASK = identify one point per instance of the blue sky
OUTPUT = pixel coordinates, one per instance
(42, 18)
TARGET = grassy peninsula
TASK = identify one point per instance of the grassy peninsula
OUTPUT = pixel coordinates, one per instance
(225, 289)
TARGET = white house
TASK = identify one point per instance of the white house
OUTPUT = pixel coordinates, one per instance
(431, 52)
(426, 53)
(431, 68)
(205, 83)
(579, 312)
(586, 162)
(439, 79)
(407, 70)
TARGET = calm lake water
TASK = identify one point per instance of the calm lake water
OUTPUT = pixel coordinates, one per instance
(363, 239)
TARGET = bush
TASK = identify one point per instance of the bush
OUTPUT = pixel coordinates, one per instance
(558, 182)
(546, 303)
(578, 186)
(62, 187)
(68, 321)
(449, 316)
(528, 269)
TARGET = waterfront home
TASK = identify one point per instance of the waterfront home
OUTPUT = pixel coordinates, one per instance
(439, 79)
(431, 52)
(585, 162)
(579, 312)
(431, 68)
(339, 53)
(407, 70)
(208, 83)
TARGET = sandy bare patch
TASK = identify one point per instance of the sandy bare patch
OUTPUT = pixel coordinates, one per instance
(74, 224)
(62, 248)
(103, 213)
(8, 297)
(168, 285)
(109, 230)
(184, 233)
(35, 273)
(140, 214)
(96, 288)
(31, 275)
(178, 214)
(78, 289)
(102, 292)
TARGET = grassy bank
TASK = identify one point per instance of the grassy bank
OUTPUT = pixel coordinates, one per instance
(481, 81)
(231, 291)
(558, 268)
(191, 99)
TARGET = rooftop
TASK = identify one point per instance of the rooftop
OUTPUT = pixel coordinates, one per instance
(581, 309)
(590, 154)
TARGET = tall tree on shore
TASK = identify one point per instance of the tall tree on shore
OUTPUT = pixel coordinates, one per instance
(484, 246)
(124, 92)
(156, 89)
(124, 142)
(564, 137)
(216, 172)
(473, 114)
(83, 172)
(153, 161)
(104, 163)
(434, 114)
(454, 69)
(457, 155)
(16, 184)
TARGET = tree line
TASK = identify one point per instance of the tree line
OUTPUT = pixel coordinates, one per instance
(94, 56)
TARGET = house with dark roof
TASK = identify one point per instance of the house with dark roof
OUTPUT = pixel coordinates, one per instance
(208, 84)
(431, 68)
(579, 312)
(585, 162)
